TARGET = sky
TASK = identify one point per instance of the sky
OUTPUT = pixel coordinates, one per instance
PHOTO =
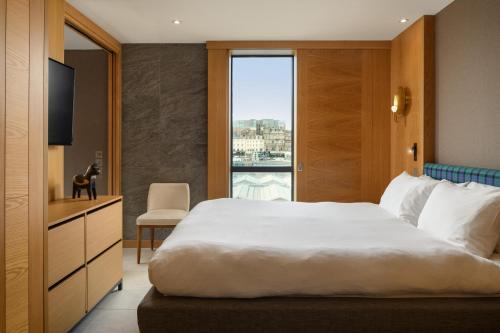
(262, 88)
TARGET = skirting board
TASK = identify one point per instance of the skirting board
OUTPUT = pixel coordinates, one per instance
(145, 244)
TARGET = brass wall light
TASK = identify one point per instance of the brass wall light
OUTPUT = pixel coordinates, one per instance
(400, 103)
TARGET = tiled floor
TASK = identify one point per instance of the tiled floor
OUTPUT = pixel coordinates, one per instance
(117, 312)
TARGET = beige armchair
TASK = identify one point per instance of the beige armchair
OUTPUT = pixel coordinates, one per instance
(168, 204)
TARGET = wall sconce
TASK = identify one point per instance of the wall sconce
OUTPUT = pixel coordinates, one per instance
(400, 103)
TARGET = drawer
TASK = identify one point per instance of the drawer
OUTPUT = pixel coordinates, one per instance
(104, 228)
(66, 249)
(103, 273)
(66, 303)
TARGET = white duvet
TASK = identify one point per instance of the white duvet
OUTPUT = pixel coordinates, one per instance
(239, 248)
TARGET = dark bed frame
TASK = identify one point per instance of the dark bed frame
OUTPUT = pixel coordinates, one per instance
(158, 313)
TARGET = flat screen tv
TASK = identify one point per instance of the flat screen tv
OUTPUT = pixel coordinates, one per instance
(61, 98)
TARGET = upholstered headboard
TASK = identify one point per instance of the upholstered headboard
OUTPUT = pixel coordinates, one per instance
(460, 174)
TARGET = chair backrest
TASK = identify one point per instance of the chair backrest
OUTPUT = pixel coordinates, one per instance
(168, 196)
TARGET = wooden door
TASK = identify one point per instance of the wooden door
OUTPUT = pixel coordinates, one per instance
(343, 124)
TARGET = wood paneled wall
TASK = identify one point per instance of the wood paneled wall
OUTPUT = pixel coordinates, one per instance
(412, 67)
(218, 124)
(345, 82)
(55, 157)
(343, 132)
(23, 115)
(3, 10)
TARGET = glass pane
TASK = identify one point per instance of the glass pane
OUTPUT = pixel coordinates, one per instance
(262, 111)
(262, 185)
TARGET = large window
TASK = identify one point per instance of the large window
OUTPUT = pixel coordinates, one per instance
(262, 107)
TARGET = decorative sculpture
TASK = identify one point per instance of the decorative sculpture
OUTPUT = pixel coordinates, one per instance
(86, 181)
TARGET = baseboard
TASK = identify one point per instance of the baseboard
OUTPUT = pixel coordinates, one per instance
(145, 244)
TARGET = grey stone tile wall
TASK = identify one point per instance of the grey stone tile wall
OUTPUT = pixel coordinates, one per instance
(164, 125)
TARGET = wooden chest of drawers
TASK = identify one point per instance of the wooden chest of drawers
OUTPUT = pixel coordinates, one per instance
(84, 257)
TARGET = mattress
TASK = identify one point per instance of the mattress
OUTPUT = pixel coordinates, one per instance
(246, 249)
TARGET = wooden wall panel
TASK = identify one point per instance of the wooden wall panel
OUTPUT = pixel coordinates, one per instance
(343, 120)
(16, 264)
(17, 83)
(218, 124)
(329, 125)
(342, 124)
(412, 67)
(55, 172)
(3, 10)
(376, 127)
(16, 165)
(37, 190)
(55, 157)
(22, 139)
(55, 27)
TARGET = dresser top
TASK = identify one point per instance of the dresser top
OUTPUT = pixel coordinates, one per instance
(65, 209)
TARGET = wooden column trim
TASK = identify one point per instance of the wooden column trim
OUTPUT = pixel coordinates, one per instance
(218, 124)
(3, 11)
(110, 118)
(37, 193)
(55, 154)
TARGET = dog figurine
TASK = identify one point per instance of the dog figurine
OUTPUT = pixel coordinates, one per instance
(86, 181)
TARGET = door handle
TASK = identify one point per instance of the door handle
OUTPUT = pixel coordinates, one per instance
(300, 167)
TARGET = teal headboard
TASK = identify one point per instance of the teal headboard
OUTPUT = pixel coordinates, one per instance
(460, 174)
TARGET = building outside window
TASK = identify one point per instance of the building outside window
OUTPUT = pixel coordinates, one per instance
(262, 113)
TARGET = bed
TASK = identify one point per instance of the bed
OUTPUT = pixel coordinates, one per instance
(299, 269)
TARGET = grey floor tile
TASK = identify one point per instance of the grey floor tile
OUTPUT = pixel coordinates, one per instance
(109, 321)
(117, 312)
(126, 299)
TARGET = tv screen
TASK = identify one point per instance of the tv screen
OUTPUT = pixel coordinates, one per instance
(61, 96)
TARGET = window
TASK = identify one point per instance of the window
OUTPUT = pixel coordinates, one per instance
(262, 138)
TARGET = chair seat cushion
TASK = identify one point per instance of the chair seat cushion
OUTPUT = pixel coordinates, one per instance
(162, 217)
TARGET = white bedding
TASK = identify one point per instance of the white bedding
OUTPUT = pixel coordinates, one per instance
(240, 248)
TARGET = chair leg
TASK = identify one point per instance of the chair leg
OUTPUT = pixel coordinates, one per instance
(152, 231)
(139, 236)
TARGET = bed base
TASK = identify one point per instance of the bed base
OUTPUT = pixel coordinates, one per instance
(158, 313)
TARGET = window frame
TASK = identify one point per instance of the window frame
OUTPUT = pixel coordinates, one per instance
(278, 169)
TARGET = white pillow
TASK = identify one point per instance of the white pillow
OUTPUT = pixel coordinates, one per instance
(443, 180)
(477, 186)
(406, 196)
(462, 216)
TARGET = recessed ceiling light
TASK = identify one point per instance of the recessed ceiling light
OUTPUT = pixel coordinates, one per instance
(403, 20)
(177, 22)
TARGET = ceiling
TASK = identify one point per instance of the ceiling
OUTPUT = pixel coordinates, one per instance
(74, 40)
(150, 21)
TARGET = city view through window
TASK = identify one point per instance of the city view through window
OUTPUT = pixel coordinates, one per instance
(262, 127)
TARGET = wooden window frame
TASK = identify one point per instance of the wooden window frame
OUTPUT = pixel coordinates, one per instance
(269, 169)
